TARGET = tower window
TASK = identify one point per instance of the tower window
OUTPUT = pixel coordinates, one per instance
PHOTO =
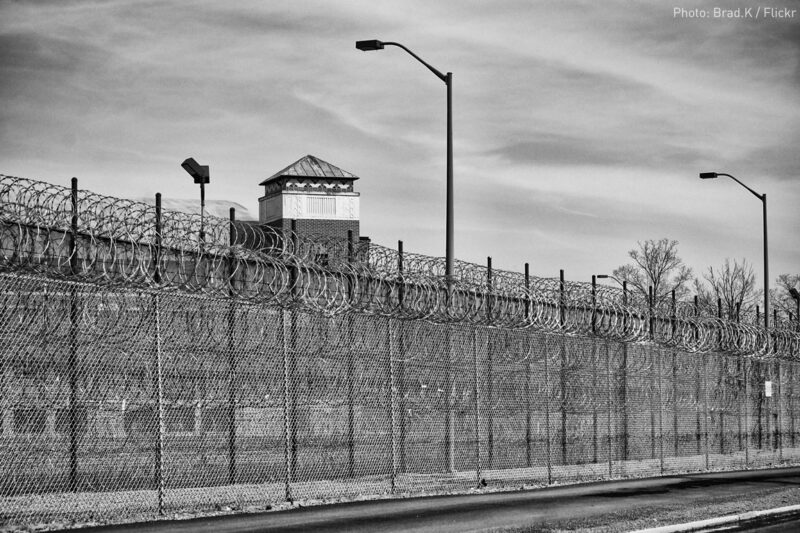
(323, 206)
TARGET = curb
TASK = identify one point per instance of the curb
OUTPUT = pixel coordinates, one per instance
(721, 521)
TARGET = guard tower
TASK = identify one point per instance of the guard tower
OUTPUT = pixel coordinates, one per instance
(318, 195)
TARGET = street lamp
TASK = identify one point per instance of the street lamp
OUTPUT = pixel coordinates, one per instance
(763, 198)
(374, 44)
(202, 176)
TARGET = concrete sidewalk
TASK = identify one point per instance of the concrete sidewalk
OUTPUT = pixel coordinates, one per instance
(545, 508)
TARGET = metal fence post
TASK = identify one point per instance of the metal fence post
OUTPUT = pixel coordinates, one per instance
(392, 401)
(721, 386)
(449, 430)
(284, 330)
(563, 373)
(231, 355)
(660, 413)
(609, 403)
(624, 377)
(477, 407)
(74, 429)
(698, 388)
(159, 378)
(547, 414)
(529, 347)
(351, 448)
(746, 402)
(489, 369)
(705, 406)
(675, 428)
(651, 323)
(402, 362)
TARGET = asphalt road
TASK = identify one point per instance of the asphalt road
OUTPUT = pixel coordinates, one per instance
(476, 512)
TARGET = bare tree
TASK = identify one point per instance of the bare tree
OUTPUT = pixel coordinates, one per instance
(656, 264)
(734, 284)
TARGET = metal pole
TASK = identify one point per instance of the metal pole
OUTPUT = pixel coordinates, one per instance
(477, 407)
(746, 409)
(594, 369)
(624, 370)
(73, 343)
(779, 402)
(351, 458)
(760, 398)
(528, 414)
(766, 267)
(705, 406)
(721, 385)
(676, 429)
(608, 411)
(547, 415)
(202, 212)
(449, 433)
(563, 373)
(392, 402)
(650, 320)
(231, 356)
(660, 412)
(159, 467)
(285, 334)
(698, 386)
(489, 369)
(402, 365)
(449, 223)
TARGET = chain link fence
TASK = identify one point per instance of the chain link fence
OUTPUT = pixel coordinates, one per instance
(146, 372)
(137, 403)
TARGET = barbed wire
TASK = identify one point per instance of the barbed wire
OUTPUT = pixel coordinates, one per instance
(75, 234)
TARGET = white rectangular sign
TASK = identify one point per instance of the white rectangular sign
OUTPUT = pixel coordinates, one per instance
(768, 389)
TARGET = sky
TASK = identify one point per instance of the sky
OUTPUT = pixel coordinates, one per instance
(580, 127)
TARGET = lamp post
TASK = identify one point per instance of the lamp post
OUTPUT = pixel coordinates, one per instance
(763, 198)
(374, 44)
(201, 175)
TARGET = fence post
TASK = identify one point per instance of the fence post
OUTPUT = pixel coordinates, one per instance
(705, 405)
(489, 367)
(231, 355)
(790, 394)
(73, 342)
(529, 347)
(291, 347)
(392, 401)
(594, 369)
(547, 413)
(624, 372)
(660, 412)
(675, 429)
(402, 361)
(760, 397)
(746, 409)
(159, 378)
(563, 373)
(698, 385)
(739, 388)
(477, 407)
(351, 459)
(608, 411)
(720, 385)
(778, 400)
(651, 322)
(288, 450)
(449, 433)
